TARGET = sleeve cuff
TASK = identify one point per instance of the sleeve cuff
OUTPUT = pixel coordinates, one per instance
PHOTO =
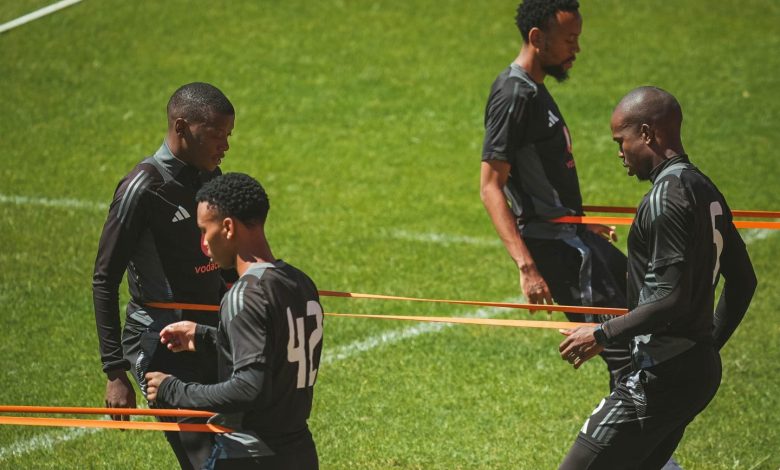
(204, 335)
(606, 333)
(486, 157)
(163, 394)
(113, 366)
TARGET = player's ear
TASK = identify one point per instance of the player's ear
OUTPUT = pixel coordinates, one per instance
(535, 38)
(180, 126)
(647, 133)
(229, 227)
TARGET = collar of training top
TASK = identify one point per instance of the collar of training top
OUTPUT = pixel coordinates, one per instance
(656, 172)
(176, 168)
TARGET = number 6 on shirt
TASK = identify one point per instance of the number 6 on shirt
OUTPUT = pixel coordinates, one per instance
(296, 351)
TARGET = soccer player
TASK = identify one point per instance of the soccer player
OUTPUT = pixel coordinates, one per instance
(681, 241)
(151, 233)
(528, 177)
(269, 339)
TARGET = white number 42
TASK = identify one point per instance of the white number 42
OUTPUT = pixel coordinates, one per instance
(296, 350)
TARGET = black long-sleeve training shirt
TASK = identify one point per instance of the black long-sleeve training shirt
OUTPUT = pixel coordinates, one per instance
(151, 233)
(269, 343)
(681, 241)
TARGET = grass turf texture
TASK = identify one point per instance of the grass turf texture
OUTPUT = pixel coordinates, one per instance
(364, 122)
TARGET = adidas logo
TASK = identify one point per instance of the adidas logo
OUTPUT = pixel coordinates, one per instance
(552, 118)
(181, 214)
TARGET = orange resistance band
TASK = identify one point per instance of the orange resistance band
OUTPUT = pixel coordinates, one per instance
(632, 210)
(472, 321)
(556, 308)
(76, 410)
(183, 306)
(355, 295)
(96, 423)
(572, 219)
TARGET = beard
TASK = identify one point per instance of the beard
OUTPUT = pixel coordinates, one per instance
(557, 72)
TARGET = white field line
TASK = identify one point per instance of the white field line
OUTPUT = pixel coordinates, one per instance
(444, 238)
(36, 14)
(754, 234)
(46, 202)
(49, 440)
(393, 336)
(44, 441)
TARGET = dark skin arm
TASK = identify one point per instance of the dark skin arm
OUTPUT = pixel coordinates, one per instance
(493, 178)
(119, 393)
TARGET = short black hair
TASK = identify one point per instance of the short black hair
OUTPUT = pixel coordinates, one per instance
(236, 195)
(197, 102)
(538, 13)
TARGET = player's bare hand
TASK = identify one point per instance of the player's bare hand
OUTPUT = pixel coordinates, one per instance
(153, 381)
(119, 393)
(179, 336)
(534, 287)
(605, 231)
(579, 346)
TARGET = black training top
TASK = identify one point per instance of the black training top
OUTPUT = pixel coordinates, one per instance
(272, 316)
(151, 232)
(682, 221)
(524, 127)
(269, 342)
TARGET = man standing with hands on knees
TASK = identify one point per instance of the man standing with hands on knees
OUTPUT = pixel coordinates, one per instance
(682, 240)
(268, 341)
(528, 177)
(151, 233)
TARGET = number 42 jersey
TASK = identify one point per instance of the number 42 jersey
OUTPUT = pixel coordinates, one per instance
(272, 317)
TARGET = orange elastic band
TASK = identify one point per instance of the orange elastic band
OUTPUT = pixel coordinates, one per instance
(578, 219)
(552, 307)
(574, 219)
(473, 321)
(76, 410)
(632, 210)
(95, 423)
(182, 306)
(610, 209)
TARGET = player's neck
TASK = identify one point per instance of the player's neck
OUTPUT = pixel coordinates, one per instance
(176, 148)
(257, 250)
(528, 60)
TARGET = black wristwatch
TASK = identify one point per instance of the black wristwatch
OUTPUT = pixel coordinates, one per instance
(601, 337)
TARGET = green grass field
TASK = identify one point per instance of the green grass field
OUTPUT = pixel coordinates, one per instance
(364, 122)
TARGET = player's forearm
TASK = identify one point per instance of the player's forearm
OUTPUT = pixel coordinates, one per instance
(506, 226)
(239, 393)
(105, 297)
(655, 313)
(734, 301)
